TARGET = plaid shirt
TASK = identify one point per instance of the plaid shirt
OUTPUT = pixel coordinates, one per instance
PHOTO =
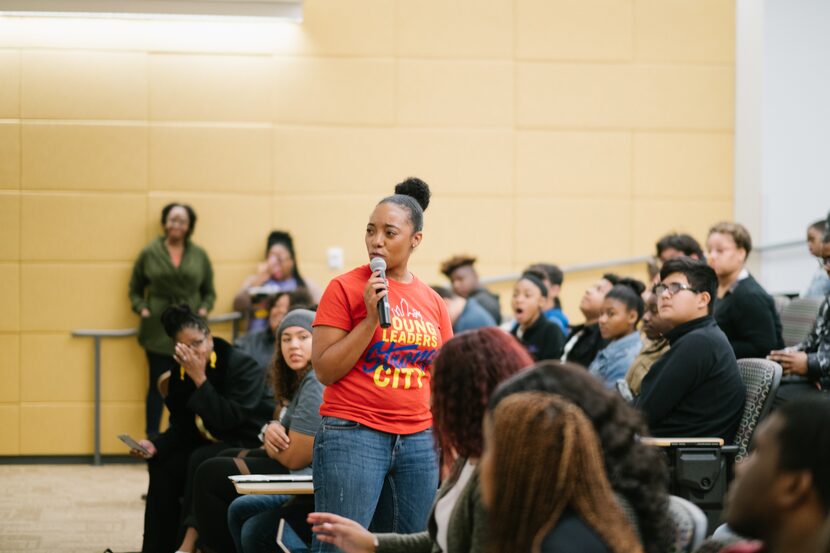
(817, 347)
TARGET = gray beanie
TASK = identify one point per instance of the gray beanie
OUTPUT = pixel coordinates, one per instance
(296, 317)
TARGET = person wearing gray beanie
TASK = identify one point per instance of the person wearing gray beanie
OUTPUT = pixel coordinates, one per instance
(302, 318)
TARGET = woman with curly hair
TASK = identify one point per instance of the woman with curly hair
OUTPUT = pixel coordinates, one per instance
(543, 482)
(637, 473)
(467, 370)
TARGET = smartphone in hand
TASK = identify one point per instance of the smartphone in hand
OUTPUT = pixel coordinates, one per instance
(135, 445)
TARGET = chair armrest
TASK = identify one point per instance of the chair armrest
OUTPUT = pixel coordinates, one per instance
(684, 442)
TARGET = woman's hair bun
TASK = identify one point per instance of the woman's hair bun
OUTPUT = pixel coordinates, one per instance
(632, 283)
(416, 189)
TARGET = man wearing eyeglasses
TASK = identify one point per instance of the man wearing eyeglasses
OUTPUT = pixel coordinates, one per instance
(807, 364)
(695, 389)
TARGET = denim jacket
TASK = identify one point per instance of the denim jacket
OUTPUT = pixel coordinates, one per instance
(612, 362)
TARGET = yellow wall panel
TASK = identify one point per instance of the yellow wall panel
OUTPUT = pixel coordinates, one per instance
(124, 372)
(84, 157)
(211, 88)
(9, 297)
(468, 225)
(574, 29)
(55, 367)
(210, 158)
(9, 156)
(638, 96)
(573, 164)
(81, 226)
(238, 223)
(546, 227)
(654, 218)
(455, 93)
(9, 226)
(10, 91)
(465, 29)
(10, 369)
(458, 162)
(9, 430)
(680, 165)
(89, 295)
(120, 418)
(685, 30)
(347, 214)
(56, 429)
(335, 160)
(92, 85)
(228, 277)
(349, 27)
(335, 90)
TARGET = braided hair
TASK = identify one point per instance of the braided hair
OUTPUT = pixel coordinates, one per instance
(546, 459)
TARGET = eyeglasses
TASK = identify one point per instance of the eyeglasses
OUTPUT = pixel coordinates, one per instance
(671, 288)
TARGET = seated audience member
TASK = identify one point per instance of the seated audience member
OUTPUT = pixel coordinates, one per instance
(809, 359)
(278, 273)
(543, 481)
(585, 340)
(695, 388)
(214, 400)
(622, 309)
(465, 313)
(260, 344)
(250, 523)
(464, 279)
(781, 492)
(654, 345)
(457, 523)
(744, 310)
(553, 277)
(677, 245)
(542, 338)
(637, 473)
(819, 286)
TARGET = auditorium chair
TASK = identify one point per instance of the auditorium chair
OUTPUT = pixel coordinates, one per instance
(690, 525)
(798, 318)
(701, 467)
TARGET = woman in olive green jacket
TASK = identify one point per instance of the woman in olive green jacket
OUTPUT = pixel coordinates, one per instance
(170, 270)
(465, 373)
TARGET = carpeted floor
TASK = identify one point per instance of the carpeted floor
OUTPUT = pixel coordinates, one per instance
(71, 508)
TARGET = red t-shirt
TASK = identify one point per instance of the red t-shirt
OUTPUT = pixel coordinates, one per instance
(388, 388)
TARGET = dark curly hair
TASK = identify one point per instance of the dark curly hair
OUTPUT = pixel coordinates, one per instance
(637, 472)
(465, 373)
(177, 317)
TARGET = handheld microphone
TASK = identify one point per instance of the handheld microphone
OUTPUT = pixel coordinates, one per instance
(379, 264)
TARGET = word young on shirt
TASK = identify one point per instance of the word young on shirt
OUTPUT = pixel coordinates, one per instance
(411, 331)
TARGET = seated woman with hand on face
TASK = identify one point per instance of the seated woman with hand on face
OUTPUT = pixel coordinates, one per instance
(214, 399)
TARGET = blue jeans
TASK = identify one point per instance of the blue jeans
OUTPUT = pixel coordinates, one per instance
(253, 522)
(385, 482)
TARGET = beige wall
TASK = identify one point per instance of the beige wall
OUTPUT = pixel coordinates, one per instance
(562, 130)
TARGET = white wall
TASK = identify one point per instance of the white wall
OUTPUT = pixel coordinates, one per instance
(783, 98)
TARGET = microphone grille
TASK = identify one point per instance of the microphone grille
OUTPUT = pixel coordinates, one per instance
(377, 264)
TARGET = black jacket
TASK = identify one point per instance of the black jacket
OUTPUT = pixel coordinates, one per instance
(233, 403)
(748, 317)
(695, 389)
(543, 339)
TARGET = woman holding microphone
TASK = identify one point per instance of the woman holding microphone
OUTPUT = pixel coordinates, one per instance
(375, 460)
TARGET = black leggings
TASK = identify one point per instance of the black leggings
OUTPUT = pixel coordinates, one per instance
(213, 493)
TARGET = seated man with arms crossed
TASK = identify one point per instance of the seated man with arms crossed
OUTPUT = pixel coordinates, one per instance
(695, 389)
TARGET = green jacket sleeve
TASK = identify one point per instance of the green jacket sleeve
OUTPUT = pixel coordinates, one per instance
(405, 543)
(138, 284)
(206, 290)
